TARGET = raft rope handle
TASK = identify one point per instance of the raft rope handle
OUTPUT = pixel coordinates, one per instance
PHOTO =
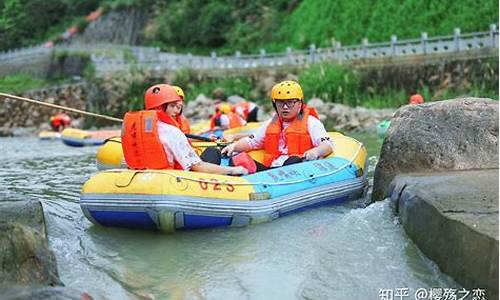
(360, 145)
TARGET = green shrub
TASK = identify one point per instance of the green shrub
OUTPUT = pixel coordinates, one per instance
(81, 24)
(20, 83)
(332, 83)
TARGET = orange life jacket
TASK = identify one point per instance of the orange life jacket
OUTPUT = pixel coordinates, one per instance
(234, 120)
(183, 124)
(297, 137)
(60, 119)
(245, 107)
(141, 143)
(312, 111)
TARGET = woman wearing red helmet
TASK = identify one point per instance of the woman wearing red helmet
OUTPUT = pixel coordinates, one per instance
(152, 139)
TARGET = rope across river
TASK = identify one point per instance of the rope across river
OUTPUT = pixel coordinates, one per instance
(82, 112)
(78, 111)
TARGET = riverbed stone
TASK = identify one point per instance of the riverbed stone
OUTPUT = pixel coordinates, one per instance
(25, 256)
(42, 292)
(458, 134)
(453, 218)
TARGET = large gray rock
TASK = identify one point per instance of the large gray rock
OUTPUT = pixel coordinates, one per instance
(453, 218)
(199, 109)
(25, 257)
(118, 27)
(459, 134)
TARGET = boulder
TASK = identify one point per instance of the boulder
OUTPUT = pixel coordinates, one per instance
(25, 256)
(267, 84)
(316, 103)
(123, 26)
(42, 292)
(460, 134)
(199, 109)
(234, 99)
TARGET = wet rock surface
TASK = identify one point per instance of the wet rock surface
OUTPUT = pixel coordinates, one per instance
(25, 256)
(453, 219)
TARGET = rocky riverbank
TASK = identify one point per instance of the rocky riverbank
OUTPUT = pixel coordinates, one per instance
(450, 207)
(21, 119)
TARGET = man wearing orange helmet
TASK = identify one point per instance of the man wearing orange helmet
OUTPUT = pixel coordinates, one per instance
(152, 139)
(294, 133)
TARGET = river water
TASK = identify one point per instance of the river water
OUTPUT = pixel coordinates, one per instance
(340, 252)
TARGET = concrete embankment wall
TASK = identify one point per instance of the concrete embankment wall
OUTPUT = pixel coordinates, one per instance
(453, 218)
(36, 65)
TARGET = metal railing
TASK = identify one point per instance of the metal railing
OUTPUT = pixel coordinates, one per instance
(110, 58)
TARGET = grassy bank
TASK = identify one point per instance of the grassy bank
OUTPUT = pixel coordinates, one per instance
(342, 84)
(227, 26)
(22, 82)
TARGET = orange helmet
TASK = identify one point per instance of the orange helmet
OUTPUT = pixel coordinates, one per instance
(416, 99)
(159, 94)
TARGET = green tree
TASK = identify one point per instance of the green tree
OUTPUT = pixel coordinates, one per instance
(22, 21)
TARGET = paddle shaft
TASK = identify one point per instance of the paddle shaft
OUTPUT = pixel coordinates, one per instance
(8, 96)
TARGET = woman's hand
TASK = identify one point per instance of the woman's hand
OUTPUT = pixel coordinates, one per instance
(228, 150)
(229, 137)
(238, 171)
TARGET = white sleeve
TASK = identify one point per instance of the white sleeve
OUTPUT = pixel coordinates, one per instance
(176, 144)
(240, 110)
(224, 121)
(256, 139)
(318, 132)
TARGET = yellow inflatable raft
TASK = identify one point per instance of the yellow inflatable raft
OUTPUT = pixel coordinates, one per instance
(79, 138)
(49, 135)
(168, 200)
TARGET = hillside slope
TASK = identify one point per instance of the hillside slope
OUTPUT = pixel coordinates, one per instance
(200, 26)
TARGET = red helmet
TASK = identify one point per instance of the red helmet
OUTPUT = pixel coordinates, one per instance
(416, 99)
(60, 118)
(159, 94)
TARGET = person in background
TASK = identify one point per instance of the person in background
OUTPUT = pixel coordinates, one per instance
(416, 98)
(60, 121)
(293, 135)
(246, 109)
(152, 139)
(224, 118)
(180, 118)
